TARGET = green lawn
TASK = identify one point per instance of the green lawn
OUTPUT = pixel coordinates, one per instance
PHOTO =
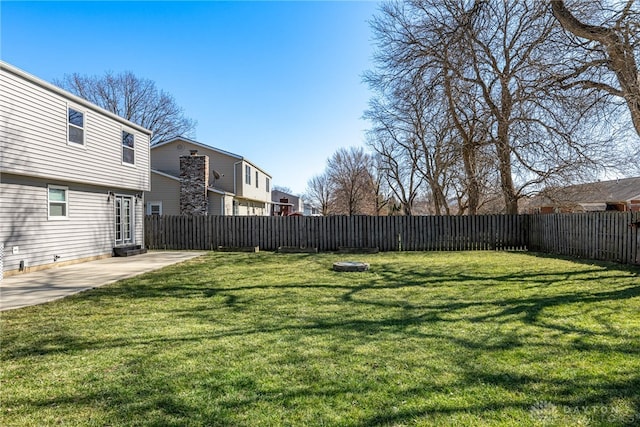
(469, 338)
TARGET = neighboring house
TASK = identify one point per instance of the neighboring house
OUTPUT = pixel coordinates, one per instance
(191, 178)
(616, 195)
(285, 204)
(72, 176)
(311, 210)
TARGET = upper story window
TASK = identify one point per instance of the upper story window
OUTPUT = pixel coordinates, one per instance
(247, 174)
(267, 184)
(128, 149)
(75, 132)
(256, 179)
(58, 202)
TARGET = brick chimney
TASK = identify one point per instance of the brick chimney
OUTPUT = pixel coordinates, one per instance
(194, 179)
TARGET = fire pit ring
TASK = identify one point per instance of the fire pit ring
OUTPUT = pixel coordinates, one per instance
(350, 266)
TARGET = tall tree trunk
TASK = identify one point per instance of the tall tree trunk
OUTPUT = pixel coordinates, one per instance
(503, 146)
(506, 175)
(468, 146)
(407, 209)
(473, 188)
(439, 199)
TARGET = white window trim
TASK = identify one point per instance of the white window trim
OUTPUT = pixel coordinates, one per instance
(66, 202)
(150, 204)
(84, 128)
(135, 157)
(247, 174)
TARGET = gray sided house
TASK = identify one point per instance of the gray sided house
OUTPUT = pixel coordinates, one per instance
(72, 176)
(286, 204)
(191, 178)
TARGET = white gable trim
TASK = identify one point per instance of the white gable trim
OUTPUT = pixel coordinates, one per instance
(199, 144)
(166, 175)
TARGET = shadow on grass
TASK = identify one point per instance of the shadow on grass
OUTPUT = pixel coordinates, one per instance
(373, 309)
(497, 310)
(609, 265)
(596, 410)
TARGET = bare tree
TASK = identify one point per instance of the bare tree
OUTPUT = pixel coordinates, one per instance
(397, 152)
(408, 134)
(135, 99)
(382, 193)
(608, 60)
(319, 192)
(422, 107)
(397, 165)
(351, 179)
(470, 121)
(504, 43)
(491, 98)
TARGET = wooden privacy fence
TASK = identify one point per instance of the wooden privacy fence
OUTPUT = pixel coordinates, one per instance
(393, 233)
(609, 236)
(604, 236)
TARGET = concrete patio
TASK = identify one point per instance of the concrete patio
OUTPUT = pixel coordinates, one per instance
(47, 285)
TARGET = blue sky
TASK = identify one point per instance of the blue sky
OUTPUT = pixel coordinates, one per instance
(277, 82)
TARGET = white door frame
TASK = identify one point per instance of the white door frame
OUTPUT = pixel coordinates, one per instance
(124, 220)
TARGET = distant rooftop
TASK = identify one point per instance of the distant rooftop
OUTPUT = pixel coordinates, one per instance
(618, 190)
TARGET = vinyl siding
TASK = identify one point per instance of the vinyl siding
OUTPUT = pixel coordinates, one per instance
(34, 142)
(249, 191)
(296, 201)
(220, 205)
(88, 231)
(167, 191)
(166, 158)
(251, 208)
(215, 203)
